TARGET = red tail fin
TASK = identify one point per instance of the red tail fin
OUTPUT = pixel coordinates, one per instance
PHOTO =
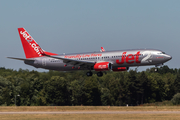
(31, 47)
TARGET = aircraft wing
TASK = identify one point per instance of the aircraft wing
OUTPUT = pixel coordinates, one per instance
(73, 62)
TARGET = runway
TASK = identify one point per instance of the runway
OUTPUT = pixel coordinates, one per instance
(97, 112)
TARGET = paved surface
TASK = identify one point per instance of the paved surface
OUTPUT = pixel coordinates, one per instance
(97, 112)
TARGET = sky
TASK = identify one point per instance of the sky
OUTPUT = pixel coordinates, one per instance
(72, 26)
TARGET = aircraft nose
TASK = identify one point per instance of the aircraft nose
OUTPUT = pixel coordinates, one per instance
(168, 57)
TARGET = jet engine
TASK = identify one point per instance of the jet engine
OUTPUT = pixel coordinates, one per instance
(102, 66)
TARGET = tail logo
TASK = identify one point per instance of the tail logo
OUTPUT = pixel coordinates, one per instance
(36, 48)
(32, 43)
(26, 36)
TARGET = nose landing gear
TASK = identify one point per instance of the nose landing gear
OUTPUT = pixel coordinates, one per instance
(156, 67)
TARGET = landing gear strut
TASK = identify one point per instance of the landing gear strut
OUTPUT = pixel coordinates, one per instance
(156, 67)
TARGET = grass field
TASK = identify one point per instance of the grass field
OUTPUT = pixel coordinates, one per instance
(89, 116)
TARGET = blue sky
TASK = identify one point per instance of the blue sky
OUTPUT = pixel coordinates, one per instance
(72, 26)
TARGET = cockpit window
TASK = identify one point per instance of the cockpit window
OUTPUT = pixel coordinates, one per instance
(162, 53)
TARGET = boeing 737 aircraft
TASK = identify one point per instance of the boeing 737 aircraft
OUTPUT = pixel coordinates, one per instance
(119, 60)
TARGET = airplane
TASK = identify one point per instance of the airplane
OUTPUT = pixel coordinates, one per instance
(119, 60)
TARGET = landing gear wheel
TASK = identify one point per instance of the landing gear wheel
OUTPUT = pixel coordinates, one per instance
(89, 73)
(99, 74)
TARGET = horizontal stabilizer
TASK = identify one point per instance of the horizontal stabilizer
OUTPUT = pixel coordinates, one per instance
(20, 59)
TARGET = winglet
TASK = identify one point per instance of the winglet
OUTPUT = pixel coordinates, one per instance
(102, 49)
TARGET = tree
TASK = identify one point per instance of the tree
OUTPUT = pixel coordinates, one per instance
(132, 98)
(76, 88)
(91, 93)
(177, 83)
(144, 88)
(176, 99)
(5, 91)
(57, 91)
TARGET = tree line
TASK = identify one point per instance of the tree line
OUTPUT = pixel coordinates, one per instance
(32, 88)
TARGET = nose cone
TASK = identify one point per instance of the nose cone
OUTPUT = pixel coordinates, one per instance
(168, 57)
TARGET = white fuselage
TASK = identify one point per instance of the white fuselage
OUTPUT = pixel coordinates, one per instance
(122, 58)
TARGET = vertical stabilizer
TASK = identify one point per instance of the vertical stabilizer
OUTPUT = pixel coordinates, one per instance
(30, 46)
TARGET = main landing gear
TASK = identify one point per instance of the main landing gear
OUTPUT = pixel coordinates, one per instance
(99, 74)
(89, 73)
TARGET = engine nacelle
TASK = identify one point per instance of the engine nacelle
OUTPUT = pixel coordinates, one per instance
(121, 69)
(102, 66)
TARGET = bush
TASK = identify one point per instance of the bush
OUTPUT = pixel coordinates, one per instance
(176, 99)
